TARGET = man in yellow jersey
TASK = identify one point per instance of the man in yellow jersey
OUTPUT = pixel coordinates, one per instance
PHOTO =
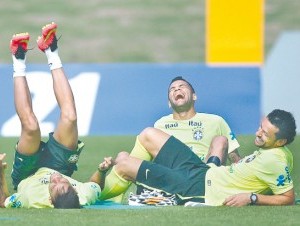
(200, 131)
(203, 133)
(262, 178)
(41, 170)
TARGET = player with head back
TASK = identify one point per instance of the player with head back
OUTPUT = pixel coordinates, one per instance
(262, 178)
(42, 170)
(205, 134)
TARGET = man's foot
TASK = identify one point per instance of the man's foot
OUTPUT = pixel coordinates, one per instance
(18, 45)
(48, 38)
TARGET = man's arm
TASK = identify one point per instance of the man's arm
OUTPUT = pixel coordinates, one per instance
(234, 156)
(243, 199)
(99, 176)
(3, 185)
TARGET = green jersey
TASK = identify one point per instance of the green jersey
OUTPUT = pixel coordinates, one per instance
(198, 132)
(264, 172)
(33, 192)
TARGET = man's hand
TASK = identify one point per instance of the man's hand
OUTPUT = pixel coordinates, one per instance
(241, 199)
(107, 163)
(99, 176)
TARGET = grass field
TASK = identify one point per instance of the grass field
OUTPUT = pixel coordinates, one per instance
(135, 31)
(98, 147)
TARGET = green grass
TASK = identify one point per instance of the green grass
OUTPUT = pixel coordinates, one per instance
(98, 147)
(128, 31)
(135, 31)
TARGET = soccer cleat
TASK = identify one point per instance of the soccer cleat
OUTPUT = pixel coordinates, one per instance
(48, 38)
(152, 198)
(18, 45)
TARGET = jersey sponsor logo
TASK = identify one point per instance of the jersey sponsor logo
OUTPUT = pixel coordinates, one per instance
(195, 124)
(44, 180)
(171, 125)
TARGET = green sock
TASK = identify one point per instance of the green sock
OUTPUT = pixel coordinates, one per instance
(114, 183)
(140, 152)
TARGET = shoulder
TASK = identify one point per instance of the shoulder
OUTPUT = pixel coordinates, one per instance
(88, 193)
(91, 186)
(277, 157)
(210, 117)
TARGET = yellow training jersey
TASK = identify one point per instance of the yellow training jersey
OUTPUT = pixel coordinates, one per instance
(264, 172)
(198, 132)
(33, 192)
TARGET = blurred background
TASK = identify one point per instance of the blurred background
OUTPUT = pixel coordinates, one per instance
(95, 31)
(121, 55)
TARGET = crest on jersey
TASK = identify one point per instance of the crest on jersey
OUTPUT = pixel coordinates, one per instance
(197, 135)
(73, 158)
(250, 158)
(197, 130)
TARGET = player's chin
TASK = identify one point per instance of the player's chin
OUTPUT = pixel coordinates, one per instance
(258, 142)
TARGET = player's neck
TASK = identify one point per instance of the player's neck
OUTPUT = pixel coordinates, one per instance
(186, 115)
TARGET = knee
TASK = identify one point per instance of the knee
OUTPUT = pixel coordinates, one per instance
(30, 123)
(147, 135)
(69, 117)
(121, 162)
(121, 157)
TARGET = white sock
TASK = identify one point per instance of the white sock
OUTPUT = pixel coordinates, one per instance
(19, 66)
(54, 61)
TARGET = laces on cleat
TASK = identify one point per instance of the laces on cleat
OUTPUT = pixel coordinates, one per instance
(19, 45)
(152, 198)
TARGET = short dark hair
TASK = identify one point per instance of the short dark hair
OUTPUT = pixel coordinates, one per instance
(68, 200)
(286, 124)
(182, 79)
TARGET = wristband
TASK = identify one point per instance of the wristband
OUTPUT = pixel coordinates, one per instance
(102, 171)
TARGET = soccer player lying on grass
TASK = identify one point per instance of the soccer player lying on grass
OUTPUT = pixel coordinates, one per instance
(202, 132)
(262, 178)
(41, 171)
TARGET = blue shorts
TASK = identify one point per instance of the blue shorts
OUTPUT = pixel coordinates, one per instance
(175, 170)
(50, 154)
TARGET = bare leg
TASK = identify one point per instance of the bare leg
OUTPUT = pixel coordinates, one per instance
(66, 132)
(218, 148)
(152, 140)
(127, 167)
(30, 138)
